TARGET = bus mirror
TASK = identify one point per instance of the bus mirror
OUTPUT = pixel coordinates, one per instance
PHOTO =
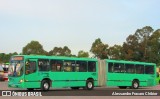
(27, 62)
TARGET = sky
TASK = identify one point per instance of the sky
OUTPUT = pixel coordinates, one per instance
(73, 23)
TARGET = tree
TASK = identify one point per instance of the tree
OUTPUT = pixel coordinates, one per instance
(154, 47)
(136, 45)
(59, 51)
(66, 51)
(81, 53)
(34, 47)
(4, 58)
(99, 49)
(115, 52)
(143, 36)
(130, 48)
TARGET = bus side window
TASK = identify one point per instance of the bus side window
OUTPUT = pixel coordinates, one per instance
(119, 68)
(92, 66)
(149, 69)
(56, 65)
(139, 69)
(31, 68)
(110, 67)
(43, 65)
(130, 68)
(69, 65)
(81, 66)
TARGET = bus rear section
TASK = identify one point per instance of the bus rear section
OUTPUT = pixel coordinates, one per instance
(125, 74)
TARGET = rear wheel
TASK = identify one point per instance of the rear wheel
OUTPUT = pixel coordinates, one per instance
(135, 84)
(45, 85)
(89, 84)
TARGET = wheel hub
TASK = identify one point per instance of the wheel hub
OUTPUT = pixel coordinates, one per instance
(90, 85)
(46, 85)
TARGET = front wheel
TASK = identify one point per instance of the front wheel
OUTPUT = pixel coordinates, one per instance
(89, 84)
(135, 84)
(45, 85)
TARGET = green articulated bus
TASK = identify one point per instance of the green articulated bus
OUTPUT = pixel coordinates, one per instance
(45, 72)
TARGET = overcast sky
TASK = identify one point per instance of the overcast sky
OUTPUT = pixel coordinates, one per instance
(73, 23)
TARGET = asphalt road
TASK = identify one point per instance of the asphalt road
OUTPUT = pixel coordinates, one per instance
(97, 93)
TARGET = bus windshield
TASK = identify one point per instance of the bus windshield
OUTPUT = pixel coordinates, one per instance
(16, 68)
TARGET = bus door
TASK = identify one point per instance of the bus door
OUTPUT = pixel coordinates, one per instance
(31, 74)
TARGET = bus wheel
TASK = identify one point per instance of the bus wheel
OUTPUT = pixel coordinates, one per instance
(30, 89)
(122, 87)
(45, 85)
(135, 84)
(89, 85)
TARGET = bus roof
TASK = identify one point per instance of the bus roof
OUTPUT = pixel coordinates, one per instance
(77, 58)
(129, 62)
(56, 57)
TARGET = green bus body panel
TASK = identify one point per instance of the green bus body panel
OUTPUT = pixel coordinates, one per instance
(58, 80)
(115, 79)
(14, 82)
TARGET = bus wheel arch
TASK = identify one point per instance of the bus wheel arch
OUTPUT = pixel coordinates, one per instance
(89, 84)
(45, 84)
(135, 84)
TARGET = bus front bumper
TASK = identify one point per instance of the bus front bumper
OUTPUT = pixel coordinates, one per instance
(15, 85)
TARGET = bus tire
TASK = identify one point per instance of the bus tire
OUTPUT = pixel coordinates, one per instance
(45, 85)
(135, 84)
(89, 84)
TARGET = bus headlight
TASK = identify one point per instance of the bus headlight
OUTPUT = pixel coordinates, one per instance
(21, 81)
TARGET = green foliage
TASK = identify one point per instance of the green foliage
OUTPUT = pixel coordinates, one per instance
(99, 49)
(34, 47)
(153, 51)
(144, 45)
(81, 53)
(4, 58)
(115, 52)
(59, 51)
